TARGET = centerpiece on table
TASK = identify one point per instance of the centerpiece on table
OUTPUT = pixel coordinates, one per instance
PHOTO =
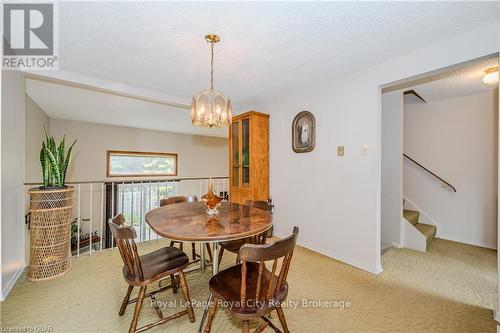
(51, 207)
(211, 200)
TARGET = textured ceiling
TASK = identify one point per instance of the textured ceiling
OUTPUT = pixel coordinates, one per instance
(466, 80)
(266, 47)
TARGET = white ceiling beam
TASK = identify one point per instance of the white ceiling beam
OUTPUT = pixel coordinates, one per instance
(82, 81)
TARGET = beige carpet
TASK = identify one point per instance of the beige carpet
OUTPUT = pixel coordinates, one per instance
(452, 288)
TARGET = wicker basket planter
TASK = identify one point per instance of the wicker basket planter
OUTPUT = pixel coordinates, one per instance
(50, 249)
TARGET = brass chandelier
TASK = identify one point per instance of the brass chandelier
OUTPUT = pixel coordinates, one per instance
(210, 108)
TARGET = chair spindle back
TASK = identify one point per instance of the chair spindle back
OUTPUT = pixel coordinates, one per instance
(260, 204)
(124, 237)
(266, 252)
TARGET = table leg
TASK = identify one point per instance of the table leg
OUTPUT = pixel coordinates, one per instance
(215, 270)
(202, 256)
(215, 258)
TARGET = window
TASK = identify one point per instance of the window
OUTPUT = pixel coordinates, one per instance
(132, 164)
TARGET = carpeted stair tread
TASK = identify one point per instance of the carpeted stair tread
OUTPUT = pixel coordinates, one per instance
(429, 231)
(411, 215)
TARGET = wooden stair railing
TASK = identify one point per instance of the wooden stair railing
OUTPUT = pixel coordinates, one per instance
(431, 173)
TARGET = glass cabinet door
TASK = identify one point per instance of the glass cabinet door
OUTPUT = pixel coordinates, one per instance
(235, 149)
(245, 152)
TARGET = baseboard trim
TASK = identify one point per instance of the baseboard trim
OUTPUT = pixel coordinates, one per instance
(349, 261)
(388, 247)
(468, 242)
(397, 245)
(385, 249)
(11, 283)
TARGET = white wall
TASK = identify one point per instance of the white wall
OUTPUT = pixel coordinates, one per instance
(336, 200)
(497, 309)
(36, 119)
(456, 138)
(13, 146)
(199, 156)
(392, 175)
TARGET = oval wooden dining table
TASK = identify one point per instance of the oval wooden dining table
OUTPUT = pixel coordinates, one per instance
(189, 222)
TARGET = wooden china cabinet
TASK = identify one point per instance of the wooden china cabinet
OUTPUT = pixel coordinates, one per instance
(249, 157)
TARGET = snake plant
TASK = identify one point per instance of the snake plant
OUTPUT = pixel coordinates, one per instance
(55, 161)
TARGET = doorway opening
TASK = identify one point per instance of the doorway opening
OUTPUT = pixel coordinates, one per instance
(439, 194)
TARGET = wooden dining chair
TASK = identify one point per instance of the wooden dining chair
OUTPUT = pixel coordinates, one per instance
(234, 246)
(260, 204)
(264, 205)
(142, 271)
(249, 289)
(180, 199)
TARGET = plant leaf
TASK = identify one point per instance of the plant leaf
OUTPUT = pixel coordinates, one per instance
(54, 167)
(54, 160)
(60, 161)
(67, 161)
(45, 168)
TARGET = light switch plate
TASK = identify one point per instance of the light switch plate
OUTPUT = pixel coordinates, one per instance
(364, 149)
(340, 150)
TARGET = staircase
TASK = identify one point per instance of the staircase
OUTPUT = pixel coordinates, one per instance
(427, 230)
(415, 235)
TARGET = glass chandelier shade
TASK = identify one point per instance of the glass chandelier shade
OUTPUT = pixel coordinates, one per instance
(210, 108)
